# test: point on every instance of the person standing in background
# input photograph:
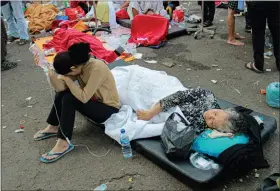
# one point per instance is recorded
(208, 12)
(233, 38)
(261, 12)
(17, 27)
(5, 64)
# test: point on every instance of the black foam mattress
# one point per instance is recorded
(152, 148)
(173, 32)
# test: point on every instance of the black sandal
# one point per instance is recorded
(251, 66)
(22, 42)
(207, 24)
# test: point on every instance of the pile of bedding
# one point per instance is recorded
(40, 17)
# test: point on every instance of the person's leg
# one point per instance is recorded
(19, 16)
(52, 119)
(258, 36)
(205, 11)
(12, 26)
(232, 6)
(4, 38)
(274, 24)
(248, 26)
(211, 13)
(95, 111)
(5, 64)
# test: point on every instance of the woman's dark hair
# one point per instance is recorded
(62, 63)
(77, 54)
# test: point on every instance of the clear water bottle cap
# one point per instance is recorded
(122, 131)
(215, 166)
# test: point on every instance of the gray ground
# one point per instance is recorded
(22, 170)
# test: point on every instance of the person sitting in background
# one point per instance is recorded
(201, 109)
(208, 12)
(5, 64)
(97, 96)
(144, 7)
(263, 11)
(105, 13)
(233, 38)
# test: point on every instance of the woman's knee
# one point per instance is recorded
(69, 98)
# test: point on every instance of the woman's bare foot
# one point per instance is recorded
(144, 115)
(235, 42)
(239, 37)
(60, 146)
(48, 129)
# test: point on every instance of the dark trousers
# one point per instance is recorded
(4, 39)
(209, 10)
(262, 12)
(67, 104)
(248, 15)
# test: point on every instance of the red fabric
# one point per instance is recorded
(64, 38)
(74, 4)
(149, 30)
(178, 16)
(63, 24)
(73, 13)
(122, 14)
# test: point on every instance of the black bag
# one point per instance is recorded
(241, 158)
(177, 137)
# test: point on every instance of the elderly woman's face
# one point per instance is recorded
(216, 119)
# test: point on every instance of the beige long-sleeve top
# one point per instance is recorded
(96, 82)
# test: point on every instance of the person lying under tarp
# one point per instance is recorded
(201, 111)
(97, 96)
(144, 7)
(63, 38)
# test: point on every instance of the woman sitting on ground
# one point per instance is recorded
(201, 109)
(96, 98)
(144, 7)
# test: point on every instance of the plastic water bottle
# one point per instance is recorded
(43, 63)
(126, 148)
(101, 187)
(202, 162)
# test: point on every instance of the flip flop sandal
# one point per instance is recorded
(44, 136)
(12, 38)
(58, 155)
(251, 66)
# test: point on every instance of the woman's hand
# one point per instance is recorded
(36, 59)
(60, 77)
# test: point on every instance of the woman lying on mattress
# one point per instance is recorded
(201, 109)
(96, 98)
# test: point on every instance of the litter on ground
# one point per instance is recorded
(29, 98)
(30, 106)
(257, 175)
(189, 69)
(268, 70)
(19, 130)
(4, 127)
(214, 81)
(138, 56)
(151, 61)
(237, 91)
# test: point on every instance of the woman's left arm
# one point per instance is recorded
(86, 93)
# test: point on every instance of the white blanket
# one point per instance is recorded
(140, 88)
